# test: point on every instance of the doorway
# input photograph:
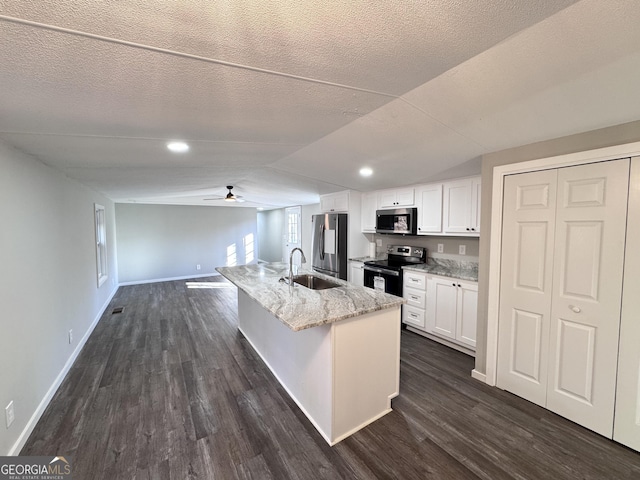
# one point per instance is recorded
(292, 232)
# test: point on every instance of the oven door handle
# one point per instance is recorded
(382, 270)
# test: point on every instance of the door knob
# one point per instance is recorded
(575, 309)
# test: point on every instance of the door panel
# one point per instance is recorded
(580, 271)
(531, 260)
(443, 313)
(467, 314)
(525, 342)
(574, 373)
(292, 232)
(585, 314)
(457, 206)
(627, 412)
(525, 290)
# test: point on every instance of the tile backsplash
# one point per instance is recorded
(451, 245)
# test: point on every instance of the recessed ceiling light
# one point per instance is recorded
(178, 147)
(366, 172)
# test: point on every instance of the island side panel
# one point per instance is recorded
(301, 361)
(366, 369)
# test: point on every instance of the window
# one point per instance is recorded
(101, 244)
(292, 227)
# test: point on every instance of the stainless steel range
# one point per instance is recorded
(386, 275)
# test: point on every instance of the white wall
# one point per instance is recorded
(47, 283)
(270, 235)
(158, 242)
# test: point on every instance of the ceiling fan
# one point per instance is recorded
(230, 197)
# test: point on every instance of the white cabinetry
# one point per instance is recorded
(397, 198)
(335, 202)
(429, 202)
(369, 207)
(461, 206)
(414, 291)
(356, 273)
(452, 309)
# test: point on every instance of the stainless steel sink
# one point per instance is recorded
(313, 282)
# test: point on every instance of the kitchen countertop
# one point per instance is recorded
(306, 308)
(448, 268)
(382, 256)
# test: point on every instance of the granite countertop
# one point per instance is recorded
(381, 256)
(305, 308)
(448, 268)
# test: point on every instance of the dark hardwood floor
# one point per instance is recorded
(169, 389)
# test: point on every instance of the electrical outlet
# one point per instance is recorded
(462, 249)
(9, 413)
(70, 336)
(198, 267)
(440, 248)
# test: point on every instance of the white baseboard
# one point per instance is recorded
(31, 424)
(169, 279)
(478, 376)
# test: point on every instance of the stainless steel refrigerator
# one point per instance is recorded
(329, 244)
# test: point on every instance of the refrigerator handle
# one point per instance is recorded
(322, 242)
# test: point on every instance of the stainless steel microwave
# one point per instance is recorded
(400, 221)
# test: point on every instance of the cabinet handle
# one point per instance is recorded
(413, 315)
(473, 229)
(459, 285)
(575, 309)
(453, 284)
(468, 229)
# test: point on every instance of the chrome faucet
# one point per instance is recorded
(302, 259)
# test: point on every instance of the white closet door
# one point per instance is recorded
(525, 289)
(626, 428)
(591, 216)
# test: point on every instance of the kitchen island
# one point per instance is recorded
(335, 351)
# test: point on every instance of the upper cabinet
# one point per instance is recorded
(450, 208)
(461, 207)
(369, 207)
(403, 197)
(429, 202)
(335, 202)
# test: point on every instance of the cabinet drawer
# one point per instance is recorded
(413, 316)
(415, 298)
(415, 280)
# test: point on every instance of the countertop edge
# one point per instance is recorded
(439, 272)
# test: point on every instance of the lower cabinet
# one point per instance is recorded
(452, 309)
(414, 291)
(356, 273)
(441, 308)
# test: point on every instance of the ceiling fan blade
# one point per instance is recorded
(229, 197)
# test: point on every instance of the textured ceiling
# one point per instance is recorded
(287, 100)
